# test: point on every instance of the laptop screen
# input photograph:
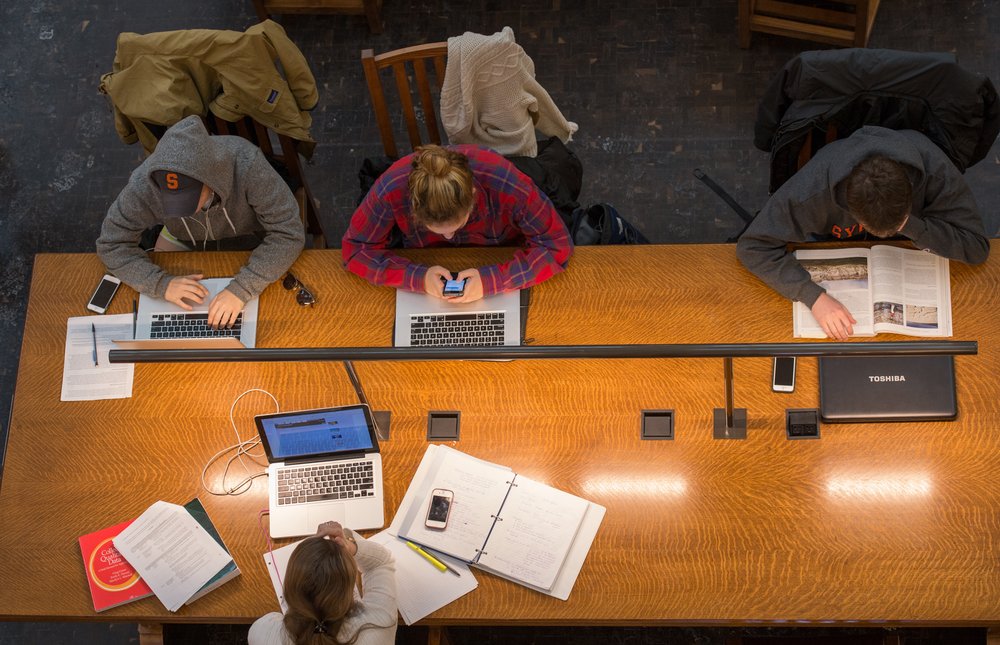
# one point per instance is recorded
(327, 432)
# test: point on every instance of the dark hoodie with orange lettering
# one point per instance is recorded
(811, 206)
(253, 201)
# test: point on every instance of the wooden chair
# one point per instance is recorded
(371, 9)
(402, 61)
(847, 23)
(285, 159)
(814, 141)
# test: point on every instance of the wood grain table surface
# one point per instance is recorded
(872, 523)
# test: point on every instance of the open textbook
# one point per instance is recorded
(500, 521)
(887, 289)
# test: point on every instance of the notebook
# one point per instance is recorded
(323, 465)
(500, 521)
(163, 325)
(887, 388)
(494, 321)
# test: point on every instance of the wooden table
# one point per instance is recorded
(893, 524)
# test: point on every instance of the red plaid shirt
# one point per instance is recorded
(508, 210)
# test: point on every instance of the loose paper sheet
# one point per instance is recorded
(82, 380)
(421, 589)
(174, 554)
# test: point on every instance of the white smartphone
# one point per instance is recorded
(103, 294)
(439, 509)
(783, 375)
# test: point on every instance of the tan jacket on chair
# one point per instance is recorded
(490, 96)
(161, 78)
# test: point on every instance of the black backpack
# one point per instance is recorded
(601, 224)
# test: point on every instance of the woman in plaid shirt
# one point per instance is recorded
(456, 196)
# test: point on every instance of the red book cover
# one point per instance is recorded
(112, 580)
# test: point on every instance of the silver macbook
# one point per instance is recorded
(324, 465)
(425, 321)
(163, 325)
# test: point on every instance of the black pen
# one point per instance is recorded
(135, 316)
(93, 333)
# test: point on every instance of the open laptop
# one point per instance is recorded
(425, 321)
(887, 388)
(324, 465)
(163, 325)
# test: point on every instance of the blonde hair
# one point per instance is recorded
(440, 185)
(319, 590)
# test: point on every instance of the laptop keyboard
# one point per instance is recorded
(300, 484)
(450, 330)
(191, 325)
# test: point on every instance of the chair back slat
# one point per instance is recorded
(378, 103)
(439, 66)
(243, 129)
(407, 63)
(406, 102)
(220, 126)
(426, 101)
(263, 140)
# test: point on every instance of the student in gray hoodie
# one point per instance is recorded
(209, 192)
(876, 183)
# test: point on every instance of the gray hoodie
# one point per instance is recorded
(254, 200)
(812, 206)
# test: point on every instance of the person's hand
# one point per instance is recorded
(473, 286)
(224, 309)
(833, 317)
(434, 280)
(184, 288)
(335, 532)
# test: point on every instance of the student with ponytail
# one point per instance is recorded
(321, 590)
(456, 196)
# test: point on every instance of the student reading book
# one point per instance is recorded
(498, 520)
(885, 288)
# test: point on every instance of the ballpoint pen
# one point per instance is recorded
(438, 564)
(135, 316)
(93, 333)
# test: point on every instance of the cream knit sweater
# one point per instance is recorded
(490, 96)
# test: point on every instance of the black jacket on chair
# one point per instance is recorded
(956, 109)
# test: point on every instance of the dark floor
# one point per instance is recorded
(658, 88)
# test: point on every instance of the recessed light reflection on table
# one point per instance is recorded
(654, 486)
(874, 487)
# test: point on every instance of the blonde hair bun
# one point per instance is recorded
(440, 185)
(435, 161)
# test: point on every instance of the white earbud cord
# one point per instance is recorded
(242, 447)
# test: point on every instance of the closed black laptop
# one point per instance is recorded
(887, 388)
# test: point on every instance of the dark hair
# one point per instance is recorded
(319, 590)
(440, 185)
(879, 195)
